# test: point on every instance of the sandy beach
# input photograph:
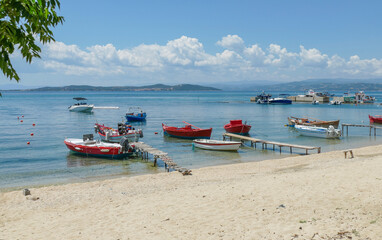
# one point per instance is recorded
(320, 196)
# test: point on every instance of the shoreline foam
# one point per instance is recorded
(319, 196)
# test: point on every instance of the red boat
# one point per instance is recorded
(237, 126)
(376, 119)
(187, 132)
(90, 147)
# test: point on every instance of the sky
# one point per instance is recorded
(135, 43)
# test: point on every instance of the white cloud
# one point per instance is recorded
(186, 56)
(232, 42)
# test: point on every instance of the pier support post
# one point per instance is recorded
(370, 131)
(375, 132)
(290, 149)
(306, 151)
(347, 131)
(280, 148)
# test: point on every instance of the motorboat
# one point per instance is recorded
(335, 102)
(279, 101)
(81, 105)
(109, 134)
(375, 119)
(263, 98)
(135, 114)
(321, 132)
(217, 145)
(292, 121)
(89, 147)
(189, 131)
(316, 102)
(237, 127)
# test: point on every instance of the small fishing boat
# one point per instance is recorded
(187, 132)
(216, 145)
(90, 147)
(135, 114)
(237, 127)
(109, 134)
(375, 119)
(309, 122)
(321, 132)
(81, 105)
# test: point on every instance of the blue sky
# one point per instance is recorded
(143, 42)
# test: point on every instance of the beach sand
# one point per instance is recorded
(320, 196)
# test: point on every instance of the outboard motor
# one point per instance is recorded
(125, 144)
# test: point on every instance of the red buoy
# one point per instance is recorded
(28, 143)
(34, 124)
(18, 118)
(156, 132)
(21, 120)
(22, 116)
(32, 134)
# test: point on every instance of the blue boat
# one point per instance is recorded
(280, 101)
(135, 114)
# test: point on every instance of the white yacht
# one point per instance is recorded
(81, 105)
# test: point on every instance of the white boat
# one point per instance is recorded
(216, 144)
(315, 102)
(335, 102)
(81, 105)
(321, 132)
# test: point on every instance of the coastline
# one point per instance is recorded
(319, 196)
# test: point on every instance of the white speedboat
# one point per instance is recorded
(81, 105)
(321, 132)
(216, 145)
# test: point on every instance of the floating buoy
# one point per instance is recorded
(34, 124)
(18, 118)
(21, 120)
(28, 143)
(32, 134)
(22, 116)
(156, 132)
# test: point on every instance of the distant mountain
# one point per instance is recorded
(323, 85)
(156, 87)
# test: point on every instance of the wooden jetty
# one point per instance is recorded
(346, 125)
(144, 150)
(264, 143)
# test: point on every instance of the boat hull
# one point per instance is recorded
(140, 117)
(280, 101)
(94, 149)
(237, 127)
(216, 145)
(319, 132)
(187, 133)
(79, 108)
(375, 119)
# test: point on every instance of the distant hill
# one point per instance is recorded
(156, 87)
(323, 85)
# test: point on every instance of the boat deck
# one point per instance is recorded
(264, 143)
(144, 150)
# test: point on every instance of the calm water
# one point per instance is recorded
(47, 160)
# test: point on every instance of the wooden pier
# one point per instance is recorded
(144, 150)
(264, 143)
(346, 125)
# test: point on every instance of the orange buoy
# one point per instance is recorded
(32, 134)
(28, 143)
(34, 124)
(21, 120)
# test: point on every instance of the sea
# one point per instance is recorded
(46, 160)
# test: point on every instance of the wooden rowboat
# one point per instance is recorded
(187, 132)
(216, 145)
(309, 122)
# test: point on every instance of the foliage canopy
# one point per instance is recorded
(22, 24)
